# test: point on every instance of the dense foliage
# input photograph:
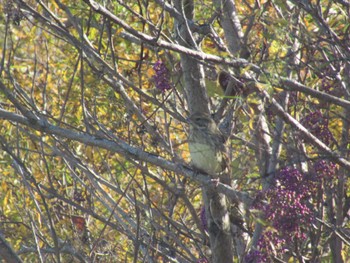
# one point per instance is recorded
(94, 100)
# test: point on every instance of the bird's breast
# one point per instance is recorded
(206, 158)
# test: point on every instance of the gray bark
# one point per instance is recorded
(226, 10)
(193, 72)
(7, 253)
(197, 100)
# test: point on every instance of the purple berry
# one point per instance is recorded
(162, 76)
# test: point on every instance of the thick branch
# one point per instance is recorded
(124, 149)
(201, 56)
(288, 84)
(227, 12)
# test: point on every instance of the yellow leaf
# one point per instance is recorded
(4, 186)
(251, 124)
(6, 198)
(150, 72)
(39, 218)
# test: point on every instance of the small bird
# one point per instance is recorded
(207, 145)
(209, 154)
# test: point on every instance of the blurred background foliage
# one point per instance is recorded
(79, 202)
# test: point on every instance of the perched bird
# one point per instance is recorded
(207, 145)
(209, 154)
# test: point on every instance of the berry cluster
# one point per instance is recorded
(287, 214)
(289, 209)
(162, 76)
(317, 124)
(256, 256)
(324, 169)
